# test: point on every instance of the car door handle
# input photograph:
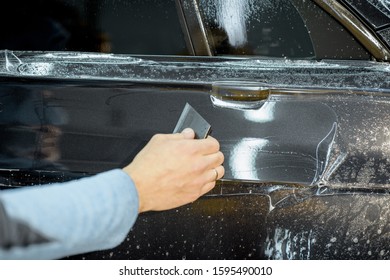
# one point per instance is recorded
(239, 94)
(253, 95)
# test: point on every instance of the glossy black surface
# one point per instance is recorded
(92, 126)
(101, 120)
(306, 143)
(255, 221)
(95, 128)
(307, 165)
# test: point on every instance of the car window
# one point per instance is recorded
(376, 13)
(268, 28)
(118, 26)
(382, 5)
(277, 28)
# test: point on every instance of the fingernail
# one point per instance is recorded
(188, 132)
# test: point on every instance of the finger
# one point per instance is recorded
(221, 171)
(204, 164)
(213, 160)
(207, 187)
(188, 133)
(215, 174)
(208, 146)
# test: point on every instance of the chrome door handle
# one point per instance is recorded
(239, 94)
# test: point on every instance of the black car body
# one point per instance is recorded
(301, 118)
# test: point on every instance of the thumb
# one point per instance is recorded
(188, 133)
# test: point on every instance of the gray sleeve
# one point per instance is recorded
(54, 221)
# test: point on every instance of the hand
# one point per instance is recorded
(175, 169)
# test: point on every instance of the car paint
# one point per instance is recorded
(325, 198)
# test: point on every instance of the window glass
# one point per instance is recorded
(376, 13)
(382, 5)
(276, 28)
(273, 28)
(268, 28)
(119, 26)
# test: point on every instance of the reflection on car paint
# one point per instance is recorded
(262, 115)
(290, 141)
(335, 139)
(293, 135)
(242, 160)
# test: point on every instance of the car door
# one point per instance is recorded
(301, 121)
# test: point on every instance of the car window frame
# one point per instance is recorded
(200, 42)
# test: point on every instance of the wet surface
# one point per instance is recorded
(255, 225)
(336, 138)
(307, 168)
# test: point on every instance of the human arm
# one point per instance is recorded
(96, 213)
(53, 221)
